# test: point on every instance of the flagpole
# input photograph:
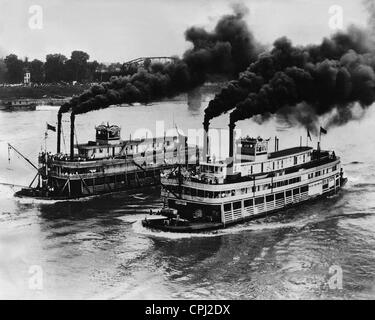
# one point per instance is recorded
(45, 147)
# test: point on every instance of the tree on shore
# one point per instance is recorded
(77, 66)
(55, 68)
(36, 68)
(3, 71)
(15, 69)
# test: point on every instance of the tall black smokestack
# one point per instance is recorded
(231, 140)
(59, 117)
(231, 149)
(206, 125)
(72, 118)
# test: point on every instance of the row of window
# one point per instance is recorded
(230, 193)
(121, 178)
(279, 164)
(322, 172)
(268, 198)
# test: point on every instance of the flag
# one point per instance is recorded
(51, 127)
(308, 134)
(322, 130)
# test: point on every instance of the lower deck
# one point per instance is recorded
(83, 186)
(238, 210)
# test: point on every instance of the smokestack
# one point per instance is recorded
(275, 143)
(231, 148)
(59, 117)
(231, 139)
(206, 125)
(72, 118)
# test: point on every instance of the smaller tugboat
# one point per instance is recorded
(253, 183)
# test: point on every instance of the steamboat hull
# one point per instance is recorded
(174, 225)
(84, 187)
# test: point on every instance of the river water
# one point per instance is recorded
(97, 248)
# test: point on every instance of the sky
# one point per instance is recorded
(121, 30)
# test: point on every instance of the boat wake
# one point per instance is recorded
(256, 225)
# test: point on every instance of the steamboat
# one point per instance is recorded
(252, 182)
(106, 165)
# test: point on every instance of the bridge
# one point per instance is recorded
(142, 61)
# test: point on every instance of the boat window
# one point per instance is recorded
(304, 189)
(269, 198)
(259, 200)
(237, 205)
(288, 193)
(248, 203)
(200, 193)
(227, 207)
(295, 191)
(279, 195)
(317, 174)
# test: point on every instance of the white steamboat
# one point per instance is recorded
(251, 183)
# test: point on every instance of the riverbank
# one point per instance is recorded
(41, 91)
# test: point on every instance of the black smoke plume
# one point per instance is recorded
(224, 52)
(302, 83)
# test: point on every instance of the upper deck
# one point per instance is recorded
(109, 153)
(253, 160)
